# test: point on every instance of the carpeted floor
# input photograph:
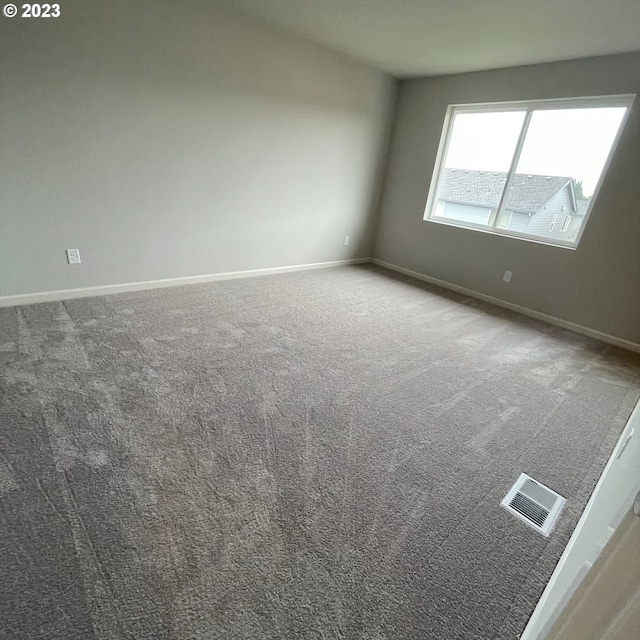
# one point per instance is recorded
(314, 455)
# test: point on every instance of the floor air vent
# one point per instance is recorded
(534, 503)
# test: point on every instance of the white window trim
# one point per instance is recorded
(566, 223)
(508, 221)
(553, 222)
(625, 100)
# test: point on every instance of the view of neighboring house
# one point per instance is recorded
(540, 205)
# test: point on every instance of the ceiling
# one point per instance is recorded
(433, 37)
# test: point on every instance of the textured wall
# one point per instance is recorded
(163, 141)
(597, 285)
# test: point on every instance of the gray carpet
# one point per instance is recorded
(314, 455)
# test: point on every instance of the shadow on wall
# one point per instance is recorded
(163, 44)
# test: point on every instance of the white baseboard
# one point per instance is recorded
(565, 324)
(67, 294)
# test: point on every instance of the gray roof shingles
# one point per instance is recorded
(529, 193)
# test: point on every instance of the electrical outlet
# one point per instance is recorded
(507, 276)
(73, 256)
(346, 240)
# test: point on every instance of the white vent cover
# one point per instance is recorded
(533, 503)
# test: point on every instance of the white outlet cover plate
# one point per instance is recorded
(73, 256)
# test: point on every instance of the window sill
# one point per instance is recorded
(506, 234)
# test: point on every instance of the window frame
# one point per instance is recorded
(529, 106)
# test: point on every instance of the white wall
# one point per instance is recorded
(612, 498)
(597, 285)
(166, 141)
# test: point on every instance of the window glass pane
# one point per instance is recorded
(474, 171)
(561, 162)
(559, 166)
